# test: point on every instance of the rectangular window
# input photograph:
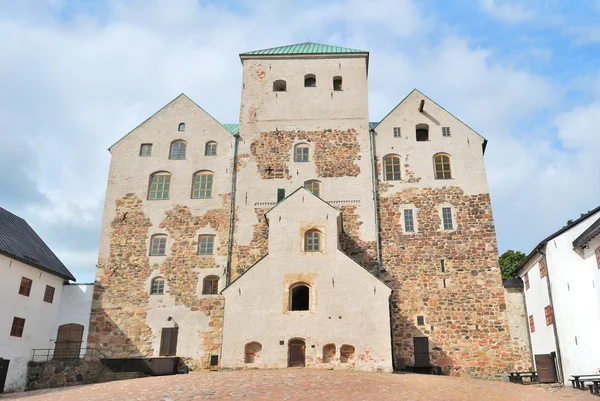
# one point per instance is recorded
(146, 149)
(548, 313)
(397, 132)
(531, 324)
(447, 218)
(542, 268)
(206, 245)
(202, 186)
(301, 154)
(420, 321)
(159, 187)
(17, 327)
(409, 223)
(445, 131)
(49, 294)
(598, 256)
(526, 279)
(158, 246)
(25, 287)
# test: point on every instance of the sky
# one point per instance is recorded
(75, 76)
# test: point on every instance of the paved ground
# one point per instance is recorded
(304, 384)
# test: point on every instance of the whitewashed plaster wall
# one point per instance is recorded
(75, 306)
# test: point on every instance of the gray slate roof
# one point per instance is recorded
(587, 235)
(19, 241)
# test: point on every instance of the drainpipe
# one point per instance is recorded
(375, 201)
(231, 212)
(557, 342)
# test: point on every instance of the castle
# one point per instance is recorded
(305, 235)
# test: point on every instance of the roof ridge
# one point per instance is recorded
(303, 48)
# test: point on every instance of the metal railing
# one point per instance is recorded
(47, 354)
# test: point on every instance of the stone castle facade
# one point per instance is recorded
(304, 235)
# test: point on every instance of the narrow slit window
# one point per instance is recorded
(409, 222)
(442, 167)
(158, 245)
(203, 184)
(206, 245)
(312, 241)
(146, 150)
(160, 184)
(391, 166)
(447, 218)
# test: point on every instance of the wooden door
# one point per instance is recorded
(296, 354)
(546, 368)
(68, 341)
(421, 348)
(3, 372)
(168, 341)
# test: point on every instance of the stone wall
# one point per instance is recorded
(57, 373)
(463, 307)
(519, 334)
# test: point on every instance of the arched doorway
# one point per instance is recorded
(296, 354)
(68, 341)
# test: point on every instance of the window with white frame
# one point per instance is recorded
(409, 221)
(206, 245)
(445, 131)
(397, 132)
(447, 218)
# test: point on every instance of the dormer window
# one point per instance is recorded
(337, 83)
(181, 127)
(279, 86)
(310, 81)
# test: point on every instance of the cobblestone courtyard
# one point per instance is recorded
(303, 384)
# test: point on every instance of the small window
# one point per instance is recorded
(301, 153)
(299, 297)
(391, 167)
(531, 324)
(409, 222)
(310, 81)
(25, 287)
(146, 149)
(548, 313)
(181, 127)
(210, 285)
(397, 132)
(280, 194)
(313, 186)
(49, 294)
(420, 321)
(17, 327)
(312, 241)
(202, 186)
(337, 83)
(279, 86)
(158, 245)
(422, 131)
(347, 353)
(206, 244)
(210, 149)
(442, 167)
(158, 286)
(526, 280)
(177, 150)
(542, 266)
(445, 131)
(159, 186)
(447, 218)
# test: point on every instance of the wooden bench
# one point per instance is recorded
(594, 386)
(517, 377)
(578, 381)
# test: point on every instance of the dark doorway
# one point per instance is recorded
(421, 347)
(3, 372)
(300, 298)
(546, 368)
(296, 354)
(168, 341)
(68, 341)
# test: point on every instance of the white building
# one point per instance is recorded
(40, 309)
(562, 294)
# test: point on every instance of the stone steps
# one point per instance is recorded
(114, 376)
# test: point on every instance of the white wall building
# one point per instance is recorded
(562, 293)
(37, 300)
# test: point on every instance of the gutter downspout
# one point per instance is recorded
(557, 342)
(231, 213)
(375, 201)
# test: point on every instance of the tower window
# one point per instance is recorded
(447, 218)
(310, 81)
(299, 297)
(177, 150)
(158, 244)
(202, 187)
(210, 285)
(422, 131)
(397, 132)
(312, 241)
(146, 149)
(337, 83)
(409, 222)
(210, 149)
(181, 127)
(391, 168)
(160, 184)
(445, 131)
(158, 286)
(206, 244)
(442, 166)
(301, 153)
(279, 86)
(420, 321)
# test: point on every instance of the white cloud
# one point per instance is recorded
(507, 11)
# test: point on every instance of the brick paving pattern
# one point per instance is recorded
(303, 384)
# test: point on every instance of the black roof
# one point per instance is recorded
(588, 234)
(556, 234)
(19, 241)
(513, 283)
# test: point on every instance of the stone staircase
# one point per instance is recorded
(109, 376)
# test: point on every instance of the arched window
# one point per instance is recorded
(312, 241)
(210, 149)
(252, 351)
(279, 86)
(158, 245)
(206, 245)
(158, 286)
(442, 166)
(160, 183)
(181, 127)
(337, 83)
(313, 186)
(391, 168)
(328, 353)
(299, 297)
(347, 353)
(310, 81)
(177, 150)
(202, 185)
(210, 285)
(301, 152)
(422, 131)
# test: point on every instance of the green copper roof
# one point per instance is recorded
(233, 128)
(305, 48)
